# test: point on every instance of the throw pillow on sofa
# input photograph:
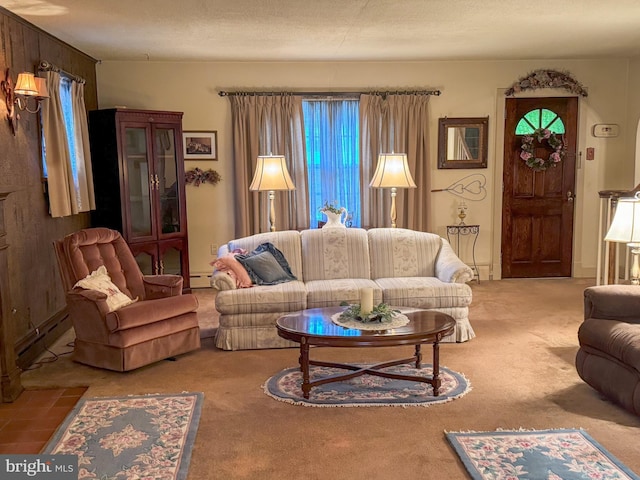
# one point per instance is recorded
(101, 281)
(266, 265)
(230, 265)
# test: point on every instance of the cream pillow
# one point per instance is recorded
(101, 281)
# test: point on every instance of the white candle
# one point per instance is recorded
(366, 300)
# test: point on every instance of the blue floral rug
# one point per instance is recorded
(537, 455)
(366, 390)
(148, 436)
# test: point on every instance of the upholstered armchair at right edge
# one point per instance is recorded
(122, 319)
(609, 354)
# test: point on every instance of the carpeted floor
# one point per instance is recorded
(521, 366)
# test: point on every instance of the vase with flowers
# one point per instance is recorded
(334, 215)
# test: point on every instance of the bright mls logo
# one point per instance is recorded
(49, 467)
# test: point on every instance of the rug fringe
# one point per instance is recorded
(519, 429)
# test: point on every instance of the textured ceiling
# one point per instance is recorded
(339, 30)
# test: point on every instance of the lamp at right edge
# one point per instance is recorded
(625, 228)
(392, 172)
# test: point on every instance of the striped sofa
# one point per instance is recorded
(405, 268)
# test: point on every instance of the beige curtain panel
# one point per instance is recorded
(263, 125)
(70, 189)
(396, 123)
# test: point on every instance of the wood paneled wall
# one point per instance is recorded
(36, 302)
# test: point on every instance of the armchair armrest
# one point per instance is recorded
(160, 286)
(449, 268)
(613, 302)
(222, 281)
(89, 297)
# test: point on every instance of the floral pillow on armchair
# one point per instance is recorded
(101, 281)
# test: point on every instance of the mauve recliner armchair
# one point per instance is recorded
(162, 323)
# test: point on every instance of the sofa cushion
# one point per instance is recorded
(330, 293)
(334, 253)
(424, 292)
(284, 297)
(288, 242)
(398, 252)
(620, 340)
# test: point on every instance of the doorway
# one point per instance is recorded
(538, 206)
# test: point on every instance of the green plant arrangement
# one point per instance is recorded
(380, 313)
(332, 207)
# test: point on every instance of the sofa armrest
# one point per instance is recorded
(449, 268)
(613, 302)
(160, 286)
(222, 281)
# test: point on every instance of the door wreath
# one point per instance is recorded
(541, 135)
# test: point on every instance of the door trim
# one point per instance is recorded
(495, 267)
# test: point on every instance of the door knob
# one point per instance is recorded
(570, 196)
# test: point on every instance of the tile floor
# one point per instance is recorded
(27, 424)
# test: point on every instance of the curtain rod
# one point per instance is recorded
(47, 66)
(224, 93)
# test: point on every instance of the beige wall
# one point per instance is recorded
(469, 89)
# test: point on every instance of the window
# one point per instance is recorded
(540, 118)
(332, 136)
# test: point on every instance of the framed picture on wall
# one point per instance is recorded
(202, 145)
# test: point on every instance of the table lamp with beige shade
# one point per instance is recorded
(271, 174)
(392, 172)
(625, 228)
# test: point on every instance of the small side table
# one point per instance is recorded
(462, 230)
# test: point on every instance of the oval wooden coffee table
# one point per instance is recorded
(314, 327)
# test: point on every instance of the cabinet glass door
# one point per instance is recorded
(171, 261)
(137, 164)
(167, 180)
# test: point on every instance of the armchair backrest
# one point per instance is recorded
(82, 252)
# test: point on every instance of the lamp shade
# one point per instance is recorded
(392, 171)
(26, 84)
(41, 85)
(271, 174)
(625, 227)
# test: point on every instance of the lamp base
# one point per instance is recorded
(635, 266)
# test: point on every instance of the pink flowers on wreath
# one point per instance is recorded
(528, 147)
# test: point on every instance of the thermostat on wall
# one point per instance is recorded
(606, 130)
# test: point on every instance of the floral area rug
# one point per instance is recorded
(366, 390)
(134, 437)
(543, 455)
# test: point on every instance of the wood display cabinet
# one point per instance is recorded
(138, 174)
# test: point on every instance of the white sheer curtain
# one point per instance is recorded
(264, 124)
(395, 123)
(332, 132)
(66, 148)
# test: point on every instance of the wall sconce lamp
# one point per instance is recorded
(392, 172)
(625, 228)
(27, 86)
(271, 174)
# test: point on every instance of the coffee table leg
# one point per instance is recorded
(418, 357)
(436, 369)
(304, 366)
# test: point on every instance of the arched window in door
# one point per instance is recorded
(540, 118)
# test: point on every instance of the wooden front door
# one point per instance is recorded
(537, 206)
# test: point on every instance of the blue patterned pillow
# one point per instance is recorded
(266, 265)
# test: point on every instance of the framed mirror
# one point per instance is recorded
(462, 142)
